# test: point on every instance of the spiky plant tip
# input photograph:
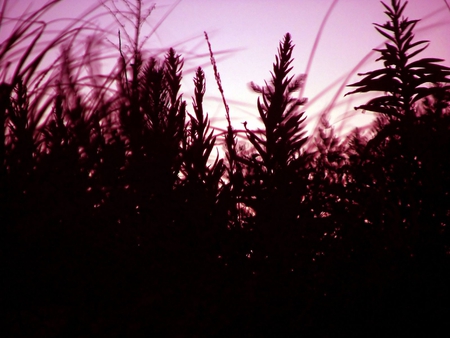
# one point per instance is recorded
(282, 137)
(403, 80)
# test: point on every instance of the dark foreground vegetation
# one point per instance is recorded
(119, 219)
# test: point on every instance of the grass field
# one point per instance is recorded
(121, 216)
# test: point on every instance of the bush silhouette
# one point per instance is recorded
(118, 217)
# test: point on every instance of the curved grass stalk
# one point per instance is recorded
(316, 44)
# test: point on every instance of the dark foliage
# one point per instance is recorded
(119, 219)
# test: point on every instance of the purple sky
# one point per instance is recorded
(249, 32)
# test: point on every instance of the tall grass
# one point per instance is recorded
(119, 216)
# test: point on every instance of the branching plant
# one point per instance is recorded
(403, 80)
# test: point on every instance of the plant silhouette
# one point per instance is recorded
(120, 218)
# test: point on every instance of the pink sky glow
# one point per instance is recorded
(245, 36)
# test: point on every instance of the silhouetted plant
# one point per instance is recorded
(152, 123)
(403, 80)
(275, 167)
(279, 145)
(278, 157)
(115, 206)
(200, 174)
(392, 181)
(230, 193)
(20, 139)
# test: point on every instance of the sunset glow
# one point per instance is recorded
(244, 37)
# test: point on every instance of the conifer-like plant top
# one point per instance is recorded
(403, 80)
(280, 143)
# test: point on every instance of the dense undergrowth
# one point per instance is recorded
(120, 218)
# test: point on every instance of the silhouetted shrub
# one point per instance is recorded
(118, 217)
